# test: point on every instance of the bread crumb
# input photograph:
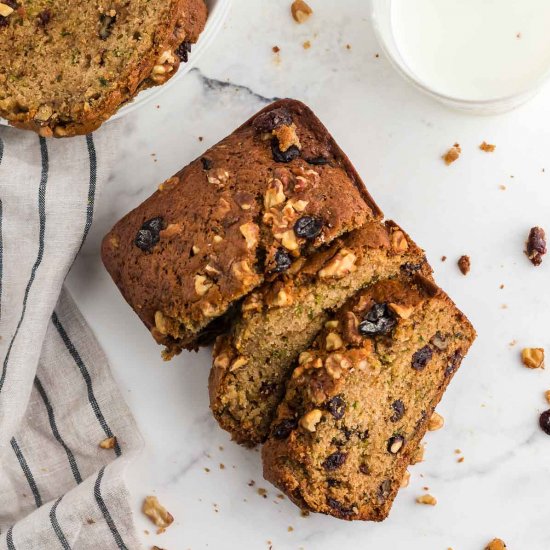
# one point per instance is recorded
(348, 46)
(512, 343)
(496, 544)
(276, 49)
(461, 459)
(262, 492)
(452, 154)
(501, 286)
(464, 264)
(487, 147)
(458, 451)
(109, 443)
(547, 395)
(157, 513)
(443, 258)
(301, 11)
(436, 422)
(502, 187)
(290, 529)
(533, 358)
(251, 483)
(427, 499)
(222, 466)
(376, 55)
(306, 45)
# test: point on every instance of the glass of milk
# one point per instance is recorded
(482, 56)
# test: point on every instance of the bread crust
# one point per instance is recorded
(184, 22)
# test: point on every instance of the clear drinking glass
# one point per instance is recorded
(381, 17)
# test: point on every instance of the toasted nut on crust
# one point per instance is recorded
(341, 265)
(436, 422)
(238, 363)
(333, 341)
(5, 10)
(202, 284)
(402, 311)
(533, 358)
(310, 420)
(399, 241)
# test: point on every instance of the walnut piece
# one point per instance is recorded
(251, 232)
(399, 241)
(244, 273)
(487, 147)
(108, 443)
(402, 311)
(287, 137)
(301, 12)
(547, 395)
(452, 154)
(533, 358)
(157, 513)
(436, 422)
(310, 420)
(274, 194)
(5, 10)
(222, 361)
(333, 341)
(496, 544)
(238, 363)
(427, 499)
(202, 284)
(341, 265)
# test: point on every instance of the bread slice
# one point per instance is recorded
(253, 362)
(359, 401)
(274, 191)
(67, 66)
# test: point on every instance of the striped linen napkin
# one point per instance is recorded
(58, 400)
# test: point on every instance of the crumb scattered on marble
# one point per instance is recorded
(496, 544)
(427, 499)
(377, 55)
(301, 11)
(501, 286)
(504, 306)
(276, 49)
(251, 483)
(304, 513)
(461, 459)
(306, 45)
(436, 422)
(89, 521)
(502, 187)
(406, 479)
(535, 246)
(207, 470)
(348, 46)
(262, 492)
(487, 147)
(157, 513)
(512, 343)
(290, 529)
(281, 496)
(200, 138)
(464, 264)
(452, 154)
(220, 447)
(547, 395)
(222, 466)
(443, 258)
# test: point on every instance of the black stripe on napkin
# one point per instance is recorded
(38, 261)
(27, 472)
(87, 379)
(56, 527)
(55, 431)
(105, 511)
(1, 241)
(9, 539)
(92, 186)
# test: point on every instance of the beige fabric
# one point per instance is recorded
(58, 400)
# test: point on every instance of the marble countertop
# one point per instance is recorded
(395, 136)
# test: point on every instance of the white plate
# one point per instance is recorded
(217, 12)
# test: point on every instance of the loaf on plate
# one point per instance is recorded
(274, 191)
(67, 66)
(358, 403)
(278, 321)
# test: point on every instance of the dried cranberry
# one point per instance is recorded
(336, 406)
(399, 410)
(3, 21)
(149, 234)
(11, 3)
(183, 51)
(421, 358)
(364, 469)
(380, 319)
(317, 161)
(206, 163)
(308, 227)
(395, 444)
(409, 268)
(106, 23)
(536, 245)
(283, 156)
(544, 422)
(363, 435)
(283, 429)
(454, 363)
(331, 482)
(384, 490)
(267, 122)
(43, 18)
(267, 388)
(340, 508)
(334, 461)
(282, 261)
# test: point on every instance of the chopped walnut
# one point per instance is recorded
(154, 510)
(281, 297)
(487, 147)
(436, 422)
(402, 311)
(244, 273)
(406, 479)
(496, 544)
(170, 182)
(333, 341)
(108, 443)
(341, 265)
(252, 302)
(310, 420)
(301, 11)
(399, 241)
(162, 323)
(297, 205)
(274, 194)
(427, 499)
(334, 365)
(332, 324)
(251, 232)
(238, 363)
(202, 284)
(452, 154)
(217, 239)
(464, 264)
(536, 245)
(170, 230)
(288, 240)
(222, 361)
(287, 137)
(218, 176)
(533, 358)
(304, 357)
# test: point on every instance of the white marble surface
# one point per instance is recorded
(395, 136)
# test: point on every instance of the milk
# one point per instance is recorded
(474, 49)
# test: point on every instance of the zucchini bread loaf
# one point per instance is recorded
(278, 321)
(67, 66)
(274, 191)
(359, 401)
